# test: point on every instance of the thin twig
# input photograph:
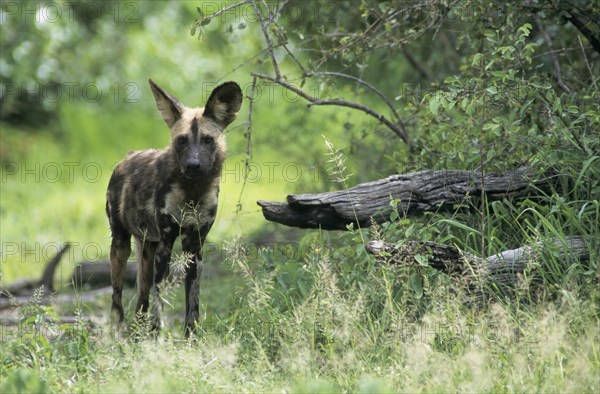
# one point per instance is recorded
(579, 143)
(413, 62)
(399, 131)
(294, 58)
(277, 11)
(548, 39)
(224, 10)
(360, 81)
(248, 136)
(267, 38)
(240, 66)
(587, 63)
(271, 14)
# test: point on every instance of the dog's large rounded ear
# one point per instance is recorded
(224, 103)
(168, 106)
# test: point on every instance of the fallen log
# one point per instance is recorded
(47, 299)
(93, 274)
(26, 287)
(499, 273)
(417, 192)
(61, 320)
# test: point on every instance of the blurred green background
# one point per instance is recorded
(476, 89)
(75, 100)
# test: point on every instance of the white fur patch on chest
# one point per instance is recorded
(188, 213)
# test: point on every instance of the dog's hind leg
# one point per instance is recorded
(120, 249)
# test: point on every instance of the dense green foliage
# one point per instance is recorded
(477, 85)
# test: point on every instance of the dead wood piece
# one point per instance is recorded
(86, 296)
(93, 274)
(500, 271)
(66, 320)
(27, 286)
(417, 192)
(445, 258)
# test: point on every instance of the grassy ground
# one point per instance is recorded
(335, 338)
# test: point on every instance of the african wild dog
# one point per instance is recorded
(158, 195)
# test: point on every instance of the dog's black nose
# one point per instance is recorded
(193, 165)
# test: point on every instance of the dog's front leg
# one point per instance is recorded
(192, 244)
(161, 270)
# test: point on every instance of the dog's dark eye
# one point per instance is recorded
(182, 140)
(207, 139)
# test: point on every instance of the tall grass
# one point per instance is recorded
(343, 334)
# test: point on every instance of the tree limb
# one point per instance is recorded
(587, 33)
(267, 39)
(555, 61)
(364, 83)
(497, 273)
(416, 192)
(339, 102)
(27, 286)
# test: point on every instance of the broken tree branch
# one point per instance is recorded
(94, 274)
(499, 273)
(86, 296)
(27, 286)
(417, 192)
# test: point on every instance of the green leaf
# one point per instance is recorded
(557, 107)
(464, 103)
(524, 30)
(416, 284)
(434, 104)
(422, 260)
(491, 126)
(449, 104)
(460, 225)
(388, 26)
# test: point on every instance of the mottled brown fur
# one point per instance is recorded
(157, 195)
